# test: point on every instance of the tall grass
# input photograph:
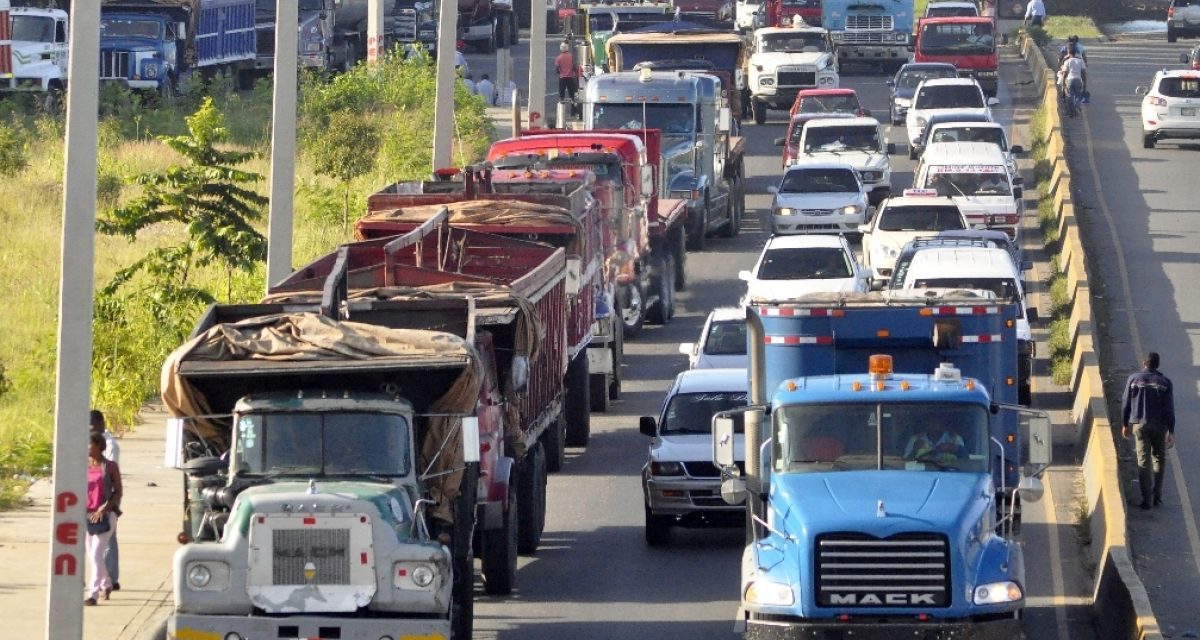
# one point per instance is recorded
(129, 354)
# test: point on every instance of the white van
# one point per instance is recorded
(986, 268)
(976, 176)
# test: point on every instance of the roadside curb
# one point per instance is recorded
(1120, 603)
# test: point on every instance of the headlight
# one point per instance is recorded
(997, 592)
(921, 120)
(666, 469)
(904, 102)
(198, 576)
(151, 71)
(872, 176)
(885, 250)
(423, 576)
(785, 211)
(766, 82)
(765, 592)
(851, 210)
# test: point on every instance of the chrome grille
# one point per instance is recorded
(326, 549)
(868, 22)
(816, 212)
(797, 78)
(864, 37)
(905, 570)
(405, 25)
(114, 65)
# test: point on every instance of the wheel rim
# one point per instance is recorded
(632, 311)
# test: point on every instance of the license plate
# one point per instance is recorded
(1187, 111)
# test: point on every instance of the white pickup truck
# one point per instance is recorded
(785, 60)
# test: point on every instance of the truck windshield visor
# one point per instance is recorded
(691, 413)
(32, 29)
(821, 139)
(972, 38)
(121, 28)
(322, 444)
(670, 118)
(854, 437)
(794, 43)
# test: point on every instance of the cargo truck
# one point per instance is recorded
(487, 25)
(35, 58)
(157, 45)
(967, 43)
(877, 471)
(874, 32)
(703, 161)
(599, 22)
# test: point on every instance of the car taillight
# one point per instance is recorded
(1157, 101)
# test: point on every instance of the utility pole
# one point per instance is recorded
(64, 600)
(376, 44)
(536, 115)
(282, 208)
(443, 114)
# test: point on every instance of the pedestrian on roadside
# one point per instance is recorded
(1074, 80)
(1035, 13)
(487, 89)
(564, 67)
(103, 501)
(112, 452)
(469, 82)
(1148, 414)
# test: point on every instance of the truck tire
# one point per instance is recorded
(632, 310)
(759, 110)
(696, 235)
(578, 405)
(489, 45)
(554, 444)
(501, 34)
(658, 529)
(730, 230)
(663, 284)
(531, 498)
(462, 598)
(499, 557)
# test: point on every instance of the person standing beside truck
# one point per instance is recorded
(564, 67)
(1148, 414)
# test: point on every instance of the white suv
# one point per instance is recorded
(1171, 106)
(942, 94)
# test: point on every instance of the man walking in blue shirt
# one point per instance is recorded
(1148, 413)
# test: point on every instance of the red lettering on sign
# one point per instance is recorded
(64, 501)
(67, 533)
(65, 564)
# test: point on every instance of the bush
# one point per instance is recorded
(14, 151)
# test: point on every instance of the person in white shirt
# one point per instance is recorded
(469, 82)
(112, 451)
(1035, 13)
(1074, 79)
(487, 89)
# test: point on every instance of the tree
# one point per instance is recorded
(345, 149)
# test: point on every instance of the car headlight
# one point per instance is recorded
(785, 211)
(885, 250)
(921, 120)
(851, 210)
(997, 592)
(666, 469)
(198, 576)
(904, 102)
(768, 593)
(766, 82)
(872, 176)
(423, 576)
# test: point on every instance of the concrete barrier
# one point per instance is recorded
(1119, 600)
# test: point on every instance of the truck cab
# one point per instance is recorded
(875, 32)
(599, 22)
(142, 51)
(785, 61)
(969, 43)
(38, 57)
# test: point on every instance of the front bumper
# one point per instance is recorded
(988, 80)
(137, 85)
(1172, 128)
(684, 496)
(999, 627)
(869, 52)
(183, 626)
(816, 224)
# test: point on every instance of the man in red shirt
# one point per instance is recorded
(564, 65)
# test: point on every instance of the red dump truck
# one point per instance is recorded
(644, 241)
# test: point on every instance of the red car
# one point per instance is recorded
(819, 101)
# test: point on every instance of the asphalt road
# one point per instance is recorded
(594, 576)
(1138, 209)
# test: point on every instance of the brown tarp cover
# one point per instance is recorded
(489, 212)
(312, 337)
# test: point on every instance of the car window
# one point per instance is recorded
(1181, 3)
(1180, 87)
(841, 139)
(950, 12)
(726, 339)
(991, 135)
(829, 104)
(804, 263)
(969, 183)
(693, 412)
(910, 78)
(931, 218)
(819, 181)
(949, 97)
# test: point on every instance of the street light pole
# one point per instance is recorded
(281, 211)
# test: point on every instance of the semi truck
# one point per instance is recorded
(157, 45)
(35, 58)
(876, 469)
(550, 209)
(703, 161)
(875, 32)
(967, 43)
(597, 22)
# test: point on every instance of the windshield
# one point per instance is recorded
(726, 339)
(910, 78)
(805, 263)
(957, 39)
(304, 5)
(841, 139)
(693, 412)
(1169, 87)
(115, 28)
(958, 96)
(994, 135)
(1004, 288)
(322, 444)
(951, 12)
(679, 163)
(793, 43)
(994, 183)
(819, 181)
(853, 437)
(842, 103)
(928, 218)
(670, 118)
(32, 29)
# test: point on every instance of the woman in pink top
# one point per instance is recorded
(103, 499)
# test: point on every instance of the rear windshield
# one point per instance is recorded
(992, 183)
(1180, 87)
(726, 339)
(807, 263)
(931, 218)
(819, 181)
(960, 96)
(970, 134)
(910, 78)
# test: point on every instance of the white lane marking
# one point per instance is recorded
(1056, 574)
(1189, 518)
(1058, 602)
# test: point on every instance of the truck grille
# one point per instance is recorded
(265, 41)
(405, 25)
(114, 65)
(856, 22)
(863, 37)
(797, 78)
(326, 549)
(905, 570)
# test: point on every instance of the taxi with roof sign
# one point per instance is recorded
(1171, 107)
(900, 219)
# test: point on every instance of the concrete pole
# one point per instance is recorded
(443, 115)
(376, 44)
(67, 567)
(536, 115)
(503, 68)
(283, 143)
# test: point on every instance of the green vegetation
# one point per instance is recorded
(154, 152)
(1058, 28)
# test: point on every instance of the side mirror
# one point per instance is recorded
(687, 348)
(1019, 180)
(864, 113)
(864, 228)
(745, 276)
(1026, 265)
(1040, 445)
(723, 453)
(1016, 149)
(773, 190)
(891, 148)
(1031, 489)
(648, 426)
(993, 101)
(1183, 57)
(520, 373)
(1141, 91)
(173, 451)
(878, 285)
(181, 31)
(779, 142)
(470, 439)
(1031, 314)
(891, 82)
